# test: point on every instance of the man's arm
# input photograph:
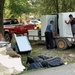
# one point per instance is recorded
(68, 21)
(52, 28)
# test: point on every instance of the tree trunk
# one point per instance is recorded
(1, 16)
(56, 5)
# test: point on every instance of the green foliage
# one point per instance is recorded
(14, 8)
(56, 6)
(18, 7)
(6, 9)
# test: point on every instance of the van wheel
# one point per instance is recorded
(7, 37)
(61, 44)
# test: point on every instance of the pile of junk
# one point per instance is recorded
(10, 61)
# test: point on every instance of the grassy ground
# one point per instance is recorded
(67, 56)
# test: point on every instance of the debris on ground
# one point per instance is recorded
(43, 62)
(10, 61)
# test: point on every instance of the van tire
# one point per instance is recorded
(61, 44)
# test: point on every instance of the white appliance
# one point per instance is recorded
(45, 20)
(21, 43)
(65, 29)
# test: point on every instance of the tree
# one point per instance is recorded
(18, 7)
(14, 8)
(56, 6)
(1, 15)
(6, 12)
(48, 6)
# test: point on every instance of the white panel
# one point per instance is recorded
(30, 38)
(43, 24)
(43, 38)
(65, 29)
(23, 43)
(35, 38)
(33, 32)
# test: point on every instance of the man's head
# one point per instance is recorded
(71, 16)
(51, 21)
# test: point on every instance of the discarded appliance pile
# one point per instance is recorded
(43, 62)
(10, 61)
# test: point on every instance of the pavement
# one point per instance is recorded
(61, 70)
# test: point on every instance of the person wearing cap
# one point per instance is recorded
(72, 22)
(49, 35)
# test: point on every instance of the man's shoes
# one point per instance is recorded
(53, 49)
(47, 48)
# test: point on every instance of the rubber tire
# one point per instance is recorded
(61, 44)
(7, 37)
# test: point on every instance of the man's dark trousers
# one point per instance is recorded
(49, 40)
